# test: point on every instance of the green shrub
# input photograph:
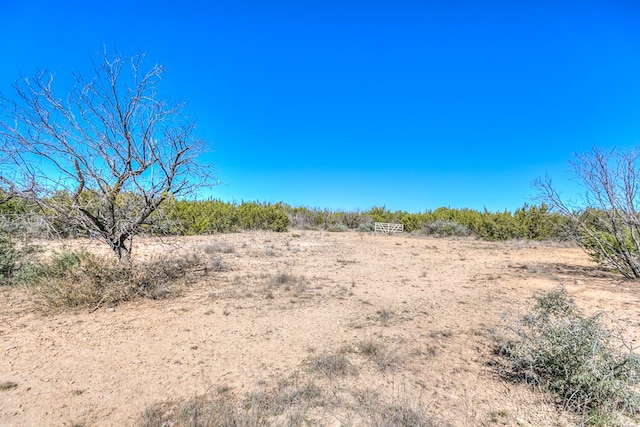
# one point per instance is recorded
(574, 356)
(444, 228)
(16, 261)
(338, 228)
(193, 217)
(366, 227)
(258, 216)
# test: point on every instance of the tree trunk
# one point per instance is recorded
(122, 250)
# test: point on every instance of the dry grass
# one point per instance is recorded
(385, 356)
(332, 364)
(86, 280)
(7, 385)
(219, 247)
(284, 404)
(402, 408)
(295, 402)
(386, 314)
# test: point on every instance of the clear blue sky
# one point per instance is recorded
(350, 104)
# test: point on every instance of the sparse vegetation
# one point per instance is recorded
(385, 356)
(293, 402)
(420, 330)
(7, 385)
(560, 349)
(386, 313)
(332, 364)
(219, 247)
(287, 281)
(81, 279)
(401, 409)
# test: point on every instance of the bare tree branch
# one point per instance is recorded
(606, 222)
(104, 157)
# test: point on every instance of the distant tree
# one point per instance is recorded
(103, 157)
(606, 221)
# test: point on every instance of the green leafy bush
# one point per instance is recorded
(574, 356)
(192, 217)
(442, 228)
(259, 216)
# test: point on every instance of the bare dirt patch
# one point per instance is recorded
(388, 317)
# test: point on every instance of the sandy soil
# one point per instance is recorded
(443, 298)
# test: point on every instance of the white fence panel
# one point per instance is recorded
(388, 227)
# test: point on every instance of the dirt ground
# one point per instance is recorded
(434, 302)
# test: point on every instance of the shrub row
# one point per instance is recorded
(193, 217)
(215, 216)
(528, 222)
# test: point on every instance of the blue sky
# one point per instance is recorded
(352, 104)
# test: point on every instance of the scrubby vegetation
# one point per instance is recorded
(300, 400)
(193, 217)
(82, 279)
(528, 222)
(560, 349)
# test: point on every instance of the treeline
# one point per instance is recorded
(193, 217)
(528, 222)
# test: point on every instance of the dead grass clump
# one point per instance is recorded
(202, 411)
(286, 396)
(332, 364)
(341, 292)
(237, 289)
(399, 410)
(385, 356)
(82, 280)
(288, 282)
(219, 247)
(386, 313)
(216, 264)
(282, 279)
(284, 404)
(7, 385)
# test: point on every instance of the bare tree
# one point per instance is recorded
(606, 220)
(104, 157)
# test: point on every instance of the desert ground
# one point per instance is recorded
(431, 306)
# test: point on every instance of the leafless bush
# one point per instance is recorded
(606, 222)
